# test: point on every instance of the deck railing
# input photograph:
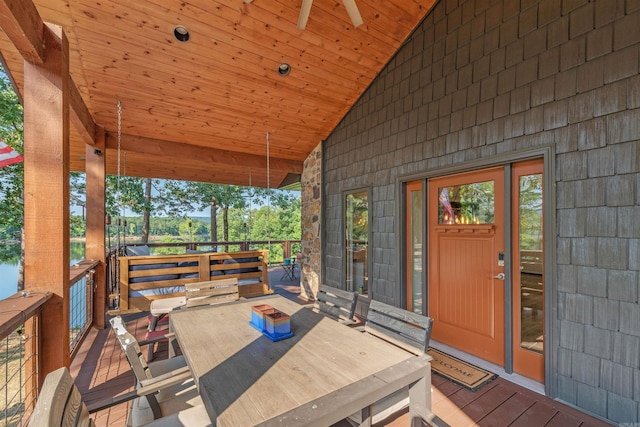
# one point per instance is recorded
(19, 339)
(81, 291)
(278, 249)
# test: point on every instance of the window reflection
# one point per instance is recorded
(357, 242)
(466, 204)
(531, 265)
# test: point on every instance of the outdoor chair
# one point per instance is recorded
(60, 404)
(403, 328)
(211, 292)
(196, 294)
(407, 330)
(336, 303)
(160, 309)
(179, 396)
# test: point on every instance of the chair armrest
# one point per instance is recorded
(181, 374)
(153, 340)
(148, 387)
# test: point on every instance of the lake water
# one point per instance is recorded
(9, 258)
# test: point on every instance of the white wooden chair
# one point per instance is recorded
(180, 396)
(336, 303)
(60, 404)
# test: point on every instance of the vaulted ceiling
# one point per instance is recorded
(202, 109)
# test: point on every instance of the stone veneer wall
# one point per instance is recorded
(480, 78)
(311, 238)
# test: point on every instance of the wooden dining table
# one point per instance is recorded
(246, 379)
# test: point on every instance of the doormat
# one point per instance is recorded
(462, 373)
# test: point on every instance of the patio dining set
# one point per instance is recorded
(231, 364)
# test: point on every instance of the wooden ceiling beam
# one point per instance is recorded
(21, 22)
(172, 150)
(80, 115)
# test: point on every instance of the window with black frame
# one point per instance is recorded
(357, 241)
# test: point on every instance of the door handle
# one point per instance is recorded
(500, 276)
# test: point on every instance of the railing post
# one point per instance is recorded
(286, 249)
(95, 249)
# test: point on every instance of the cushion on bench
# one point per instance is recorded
(240, 261)
(137, 250)
(157, 291)
(196, 274)
(160, 277)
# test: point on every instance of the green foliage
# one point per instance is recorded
(77, 226)
(276, 223)
(125, 194)
(531, 212)
(10, 254)
(11, 177)
(357, 216)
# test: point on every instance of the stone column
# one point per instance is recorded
(311, 210)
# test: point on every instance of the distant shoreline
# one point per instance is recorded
(130, 239)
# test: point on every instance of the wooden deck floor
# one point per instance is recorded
(102, 371)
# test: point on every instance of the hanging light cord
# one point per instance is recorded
(118, 180)
(268, 198)
(250, 206)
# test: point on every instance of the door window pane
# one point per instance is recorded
(466, 204)
(357, 242)
(531, 266)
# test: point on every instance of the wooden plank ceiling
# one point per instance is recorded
(201, 110)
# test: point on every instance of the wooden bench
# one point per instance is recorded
(147, 278)
(337, 303)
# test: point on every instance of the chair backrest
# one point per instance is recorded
(336, 302)
(403, 328)
(211, 292)
(59, 403)
(131, 349)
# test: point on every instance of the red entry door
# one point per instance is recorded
(466, 262)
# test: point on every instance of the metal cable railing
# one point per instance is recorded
(81, 292)
(19, 338)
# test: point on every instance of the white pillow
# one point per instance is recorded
(138, 250)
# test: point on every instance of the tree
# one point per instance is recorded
(182, 197)
(147, 210)
(127, 195)
(12, 177)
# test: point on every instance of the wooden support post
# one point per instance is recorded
(286, 249)
(46, 193)
(96, 174)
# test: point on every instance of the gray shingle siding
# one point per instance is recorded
(555, 73)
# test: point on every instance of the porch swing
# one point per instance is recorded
(142, 278)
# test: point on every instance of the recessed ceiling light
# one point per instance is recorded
(284, 69)
(181, 33)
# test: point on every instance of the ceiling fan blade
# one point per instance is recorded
(248, 1)
(354, 13)
(305, 8)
